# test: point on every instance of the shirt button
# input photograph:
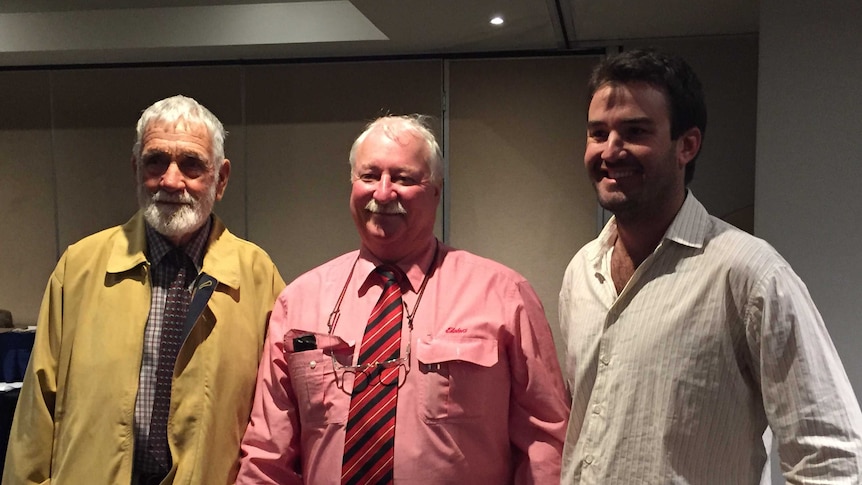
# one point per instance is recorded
(597, 409)
(588, 459)
(312, 364)
(605, 359)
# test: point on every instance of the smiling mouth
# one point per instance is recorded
(617, 174)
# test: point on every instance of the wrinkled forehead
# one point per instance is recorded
(177, 124)
(183, 131)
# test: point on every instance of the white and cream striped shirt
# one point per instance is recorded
(675, 379)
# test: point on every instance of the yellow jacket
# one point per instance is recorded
(75, 416)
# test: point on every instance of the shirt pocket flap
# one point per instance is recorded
(477, 351)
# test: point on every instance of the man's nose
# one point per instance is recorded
(172, 179)
(384, 192)
(615, 148)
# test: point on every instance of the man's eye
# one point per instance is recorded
(598, 135)
(192, 168)
(156, 164)
(403, 180)
(368, 177)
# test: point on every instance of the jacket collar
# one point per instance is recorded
(127, 250)
(221, 260)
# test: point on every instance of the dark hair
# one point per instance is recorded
(668, 73)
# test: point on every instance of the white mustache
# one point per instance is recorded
(394, 207)
(177, 198)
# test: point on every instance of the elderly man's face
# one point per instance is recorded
(177, 181)
(392, 201)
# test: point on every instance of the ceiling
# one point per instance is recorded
(69, 32)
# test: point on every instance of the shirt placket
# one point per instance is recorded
(596, 420)
(595, 423)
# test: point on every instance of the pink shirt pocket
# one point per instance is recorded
(460, 377)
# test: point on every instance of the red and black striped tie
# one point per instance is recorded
(370, 439)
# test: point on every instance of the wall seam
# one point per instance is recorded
(445, 141)
(54, 184)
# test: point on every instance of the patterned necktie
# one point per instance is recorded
(176, 309)
(370, 438)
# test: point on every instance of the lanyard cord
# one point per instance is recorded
(336, 312)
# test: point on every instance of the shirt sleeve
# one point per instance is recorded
(808, 399)
(270, 447)
(539, 409)
(28, 456)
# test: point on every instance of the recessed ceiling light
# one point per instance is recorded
(497, 20)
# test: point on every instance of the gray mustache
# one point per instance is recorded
(181, 198)
(390, 208)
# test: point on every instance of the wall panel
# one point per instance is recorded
(95, 111)
(302, 120)
(28, 242)
(727, 68)
(519, 191)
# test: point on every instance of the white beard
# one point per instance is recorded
(175, 221)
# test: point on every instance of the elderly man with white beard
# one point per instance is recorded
(149, 334)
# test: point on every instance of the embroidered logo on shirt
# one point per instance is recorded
(456, 330)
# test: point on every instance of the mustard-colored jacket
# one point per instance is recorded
(75, 416)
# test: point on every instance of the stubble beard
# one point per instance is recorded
(641, 202)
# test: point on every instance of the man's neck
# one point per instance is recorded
(194, 245)
(420, 256)
(640, 233)
(638, 241)
(634, 243)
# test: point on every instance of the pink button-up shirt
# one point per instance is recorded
(483, 401)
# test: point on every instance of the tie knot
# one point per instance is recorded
(390, 273)
(182, 266)
(179, 258)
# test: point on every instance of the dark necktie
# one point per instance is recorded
(370, 436)
(176, 309)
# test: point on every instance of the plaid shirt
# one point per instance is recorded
(157, 247)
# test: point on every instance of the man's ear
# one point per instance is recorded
(223, 175)
(688, 145)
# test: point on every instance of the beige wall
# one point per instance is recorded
(301, 121)
(513, 132)
(519, 193)
(727, 67)
(28, 242)
(808, 157)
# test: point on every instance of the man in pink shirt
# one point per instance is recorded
(475, 378)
